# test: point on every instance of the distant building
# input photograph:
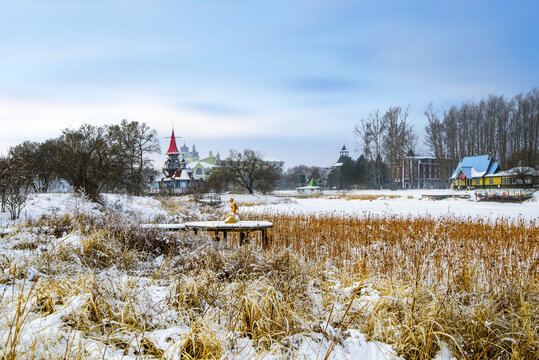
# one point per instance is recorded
(189, 155)
(60, 186)
(420, 172)
(483, 172)
(343, 155)
(521, 177)
(202, 168)
(311, 187)
(277, 164)
(475, 171)
(177, 177)
(57, 185)
(414, 172)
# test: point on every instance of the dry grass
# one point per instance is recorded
(200, 343)
(348, 196)
(50, 294)
(468, 283)
(262, 296)
(250, 203)
(16, 316)
(174, 205)
(264, 314)
(415, 284)
(365, 197)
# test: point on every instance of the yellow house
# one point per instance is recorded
(476, 171)
(517, 177)
(201, 169)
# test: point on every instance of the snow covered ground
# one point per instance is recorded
(146, 210)
(138, 209)
(401, 203)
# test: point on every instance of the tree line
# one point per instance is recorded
(116, 157)
(507, 128)
(352, 173)
(91, 159)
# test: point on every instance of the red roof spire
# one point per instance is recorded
(172, 149)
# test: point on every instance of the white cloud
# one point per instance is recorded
(37, 120)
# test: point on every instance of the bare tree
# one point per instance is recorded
(86, 160)
(46, 155)
(26, 156)
(133, 142)
(246, 170)
(364, 132)
(15, 183)
(524, 174)
(371, 132)
(38, 159)
(399, 139)
(507, 128)
(4, 168)
(435, 139)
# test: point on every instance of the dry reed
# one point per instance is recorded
(470, 284)
(415, 283)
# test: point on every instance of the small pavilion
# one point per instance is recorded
(312, 186)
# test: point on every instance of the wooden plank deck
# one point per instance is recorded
(243, 227)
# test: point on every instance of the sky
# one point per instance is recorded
(288, 78)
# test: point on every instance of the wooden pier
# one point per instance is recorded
(220, 229)
(245, 228)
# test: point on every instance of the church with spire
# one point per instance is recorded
(344, 154)
(183, 169)
(177, 178)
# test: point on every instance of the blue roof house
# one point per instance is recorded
(471, 170)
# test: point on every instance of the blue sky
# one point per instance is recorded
(287, 78)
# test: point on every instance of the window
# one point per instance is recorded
(198, 171)
(490, 181)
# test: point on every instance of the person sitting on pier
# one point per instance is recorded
(232, 217)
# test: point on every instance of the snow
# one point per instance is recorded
(135, 208)
(223, 225)
(204, 164)
(164, 226)
(477, 174)
(355, 346)
(398, 203)
(55, 336)
(403, 203)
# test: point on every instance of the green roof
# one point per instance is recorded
(209, 160)
(312, 182)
